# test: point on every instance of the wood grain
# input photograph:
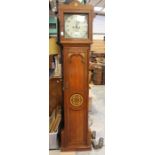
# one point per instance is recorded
(75, 134)
(55, 93)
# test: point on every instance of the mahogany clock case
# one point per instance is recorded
(75, 134)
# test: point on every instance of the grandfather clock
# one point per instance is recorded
(76, 38)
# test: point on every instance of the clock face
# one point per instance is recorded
(81, 1)
(76, 26)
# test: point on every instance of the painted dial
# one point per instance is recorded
(81, 1)
(76, 26)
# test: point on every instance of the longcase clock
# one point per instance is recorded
(76, 38)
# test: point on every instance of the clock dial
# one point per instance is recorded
(76, 26)
(81, 1)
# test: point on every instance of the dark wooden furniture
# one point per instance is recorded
(55, 93)
(99, 74)
(97, 68)
(76, 47)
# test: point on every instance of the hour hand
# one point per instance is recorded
(76, 25)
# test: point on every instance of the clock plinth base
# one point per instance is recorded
(74, 148)
(77, 147)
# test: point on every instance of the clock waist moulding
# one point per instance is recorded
(76, 38)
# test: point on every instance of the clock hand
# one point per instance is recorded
(76, 25)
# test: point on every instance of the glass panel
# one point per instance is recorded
(76, 26)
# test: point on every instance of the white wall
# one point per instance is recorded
(99, 24)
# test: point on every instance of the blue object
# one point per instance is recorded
(53, 26)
